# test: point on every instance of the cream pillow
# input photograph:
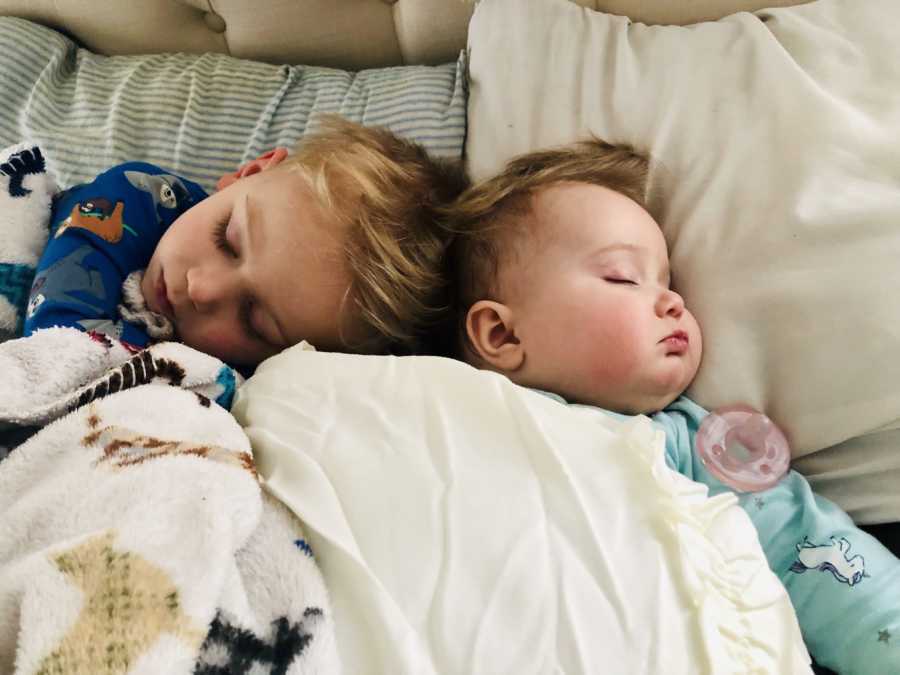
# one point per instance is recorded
(776, 136)
(465, 525)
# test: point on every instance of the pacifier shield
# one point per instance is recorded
(743, 448)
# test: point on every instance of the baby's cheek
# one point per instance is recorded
(617, 347)
(613, 369)
(611, 354)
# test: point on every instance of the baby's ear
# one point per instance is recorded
(492, 336)
(261, 163)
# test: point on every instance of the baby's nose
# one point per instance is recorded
(670, 304)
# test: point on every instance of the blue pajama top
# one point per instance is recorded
(100, 232)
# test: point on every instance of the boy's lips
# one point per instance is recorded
(162, 298)
(676, 342)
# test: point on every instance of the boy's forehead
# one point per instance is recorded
(288, 194)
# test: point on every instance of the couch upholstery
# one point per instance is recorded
(344, 34)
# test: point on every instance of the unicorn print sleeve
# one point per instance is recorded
(101, 232)
(844, 585)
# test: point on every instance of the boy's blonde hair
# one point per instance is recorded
(386, 192)
(489, 218)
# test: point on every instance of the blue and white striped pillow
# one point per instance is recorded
(201, 115)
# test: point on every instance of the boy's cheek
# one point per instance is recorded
(187, 231)
(219, 341)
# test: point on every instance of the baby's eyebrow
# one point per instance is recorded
(665, 273)
(634, 248)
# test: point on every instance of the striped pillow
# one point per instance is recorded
(201, 115)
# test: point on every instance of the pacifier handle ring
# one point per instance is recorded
(764, 448)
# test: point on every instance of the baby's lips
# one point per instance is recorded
(676, 343)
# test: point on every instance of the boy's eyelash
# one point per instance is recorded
(221, 240)
(615, 280)
(222, 243)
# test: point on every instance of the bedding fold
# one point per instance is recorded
(467, 525)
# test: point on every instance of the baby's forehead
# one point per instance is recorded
(584, 214)
(554, 219)
(524, 239)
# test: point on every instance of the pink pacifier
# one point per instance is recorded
(743, 448)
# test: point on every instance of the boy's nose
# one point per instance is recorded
(209, 289)
(670, 304)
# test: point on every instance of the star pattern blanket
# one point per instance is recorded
(134, 536)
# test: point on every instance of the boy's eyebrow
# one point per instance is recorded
(252, 226)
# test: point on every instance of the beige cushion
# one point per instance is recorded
(776, 182)
(344, 34)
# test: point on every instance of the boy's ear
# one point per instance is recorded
(490, 328)
(261, 163)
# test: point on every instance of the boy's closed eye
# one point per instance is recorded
(220, 237)
(253, 326)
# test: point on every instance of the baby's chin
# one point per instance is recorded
(651, 405)
(632, 403)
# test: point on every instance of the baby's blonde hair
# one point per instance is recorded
(386, 192)
(488, 218)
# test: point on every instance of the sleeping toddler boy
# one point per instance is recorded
(323, 245)
(563, 285)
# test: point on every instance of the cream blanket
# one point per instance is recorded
(465, 525)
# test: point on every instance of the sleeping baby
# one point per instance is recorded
(563, 284)
(310, 246)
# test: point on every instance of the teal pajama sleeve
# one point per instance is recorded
(844, 585)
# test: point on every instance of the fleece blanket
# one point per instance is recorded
(134, 536)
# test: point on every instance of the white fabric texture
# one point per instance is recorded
(464, 524)
(24, 223)
(130, 525)
(58, 369)
(776, 181)
(24, 219)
